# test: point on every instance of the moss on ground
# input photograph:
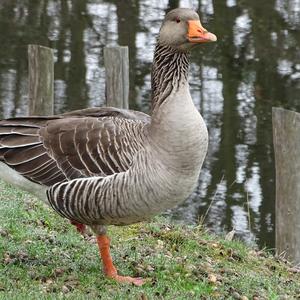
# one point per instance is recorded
(43, 257)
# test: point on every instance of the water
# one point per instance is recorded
(235, 82)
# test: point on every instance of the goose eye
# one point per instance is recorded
(177, 20)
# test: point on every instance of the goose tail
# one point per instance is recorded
(14, 178)
(22, 156)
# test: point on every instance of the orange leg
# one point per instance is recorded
(108, 266)
(79, 227)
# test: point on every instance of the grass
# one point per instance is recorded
(43, 257)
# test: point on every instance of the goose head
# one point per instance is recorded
(182, 30)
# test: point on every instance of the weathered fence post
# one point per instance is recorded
(286, 139)
(41, 80)
(116, 64)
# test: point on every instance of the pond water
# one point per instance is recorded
(235, 82)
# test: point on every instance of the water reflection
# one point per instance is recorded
(255, 65)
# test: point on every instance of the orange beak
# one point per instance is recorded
(198, 34)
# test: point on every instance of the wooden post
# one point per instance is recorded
(116, 64)
(41, 80)
(286, 138)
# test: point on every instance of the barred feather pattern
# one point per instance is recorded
(124, 198)
(116, 199)
(169, 69)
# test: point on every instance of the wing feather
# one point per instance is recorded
(17, 140)
(90, 142)
(26, 154)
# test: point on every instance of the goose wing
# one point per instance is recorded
(90, 142)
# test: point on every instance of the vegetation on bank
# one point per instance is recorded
(43, 257)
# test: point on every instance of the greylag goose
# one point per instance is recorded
(108, 166)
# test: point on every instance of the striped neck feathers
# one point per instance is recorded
(170, 67)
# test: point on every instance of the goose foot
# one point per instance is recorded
(127, 279)
(108, 266)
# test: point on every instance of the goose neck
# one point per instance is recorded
(169, 72)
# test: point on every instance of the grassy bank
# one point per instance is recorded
(42, 257)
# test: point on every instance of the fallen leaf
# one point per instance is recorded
(149, 268)
(58, 272)
(215, 245)
(143, 297)
(294, 270)
(236, 295)
(65, 289)
(49, 281)
(212, 278)
(3, 232)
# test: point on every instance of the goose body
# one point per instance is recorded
(108, 166)
(163, 172)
